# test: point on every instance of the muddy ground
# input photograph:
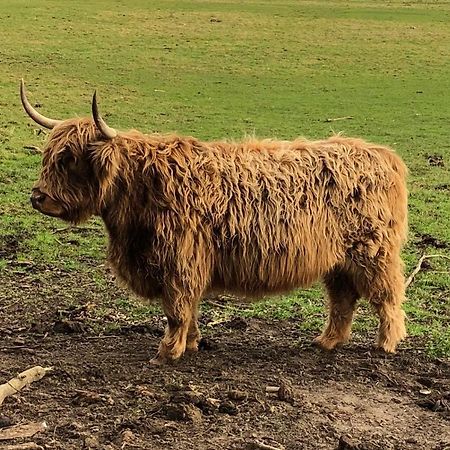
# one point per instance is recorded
(256, 384)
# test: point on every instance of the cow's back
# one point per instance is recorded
(285, 213)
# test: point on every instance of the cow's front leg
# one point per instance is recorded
(193, 336)
(186, 280)
(173, 344)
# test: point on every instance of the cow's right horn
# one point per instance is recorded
(37, 117)
(107, 131)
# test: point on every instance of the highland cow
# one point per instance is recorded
(187, 217)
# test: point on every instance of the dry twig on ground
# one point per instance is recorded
(20, 381)
(258, 445)
(419, 266)
(338, 118)
(74, 229)
(23, 446)
(25, 430)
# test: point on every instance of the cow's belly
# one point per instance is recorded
(271, 274)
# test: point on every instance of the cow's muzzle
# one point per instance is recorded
(37, 199)
(45, 204)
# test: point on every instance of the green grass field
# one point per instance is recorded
(225, 69)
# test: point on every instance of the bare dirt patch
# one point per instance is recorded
(256, 383)
(426, 240)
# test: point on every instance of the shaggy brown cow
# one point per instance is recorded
(185, 217)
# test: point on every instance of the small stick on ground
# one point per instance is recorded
(62, 230)
(217, 304)
(217, 322)
(26, 430)
(272, 389)
(102, 336)
(20, 381)
(338, 118)
(10, 304)
(419, 266)
(74, 229)
(258, 445)
(24, 446)
(227, 304)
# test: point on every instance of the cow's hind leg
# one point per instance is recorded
(342, 297)
(386, 292)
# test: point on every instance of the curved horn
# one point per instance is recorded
(37, 117)
(107, 131)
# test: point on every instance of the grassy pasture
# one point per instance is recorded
(224, 69)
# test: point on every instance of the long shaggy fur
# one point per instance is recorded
(256, 217)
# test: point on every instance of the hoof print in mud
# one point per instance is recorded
(284, 391)
(6, 421)
(229, 408)
(206, 344)
(347, 443)
(236, 395)
(188, 397)
(70, 327)
(183, 412)
(437, 403)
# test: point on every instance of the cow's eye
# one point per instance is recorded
(66, 160)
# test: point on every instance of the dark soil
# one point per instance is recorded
(436, 160)
(255, 384)
(426, 240)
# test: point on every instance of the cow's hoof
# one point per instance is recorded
(326, 343)
(385, 347)
(160, 360)
(191, 347)
(157, 361)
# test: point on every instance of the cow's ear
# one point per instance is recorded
(106, 163)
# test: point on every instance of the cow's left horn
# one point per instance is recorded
(37, 117)
(107, 131)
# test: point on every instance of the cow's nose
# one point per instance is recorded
(37, 197)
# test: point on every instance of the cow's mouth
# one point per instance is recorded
(45, 204)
